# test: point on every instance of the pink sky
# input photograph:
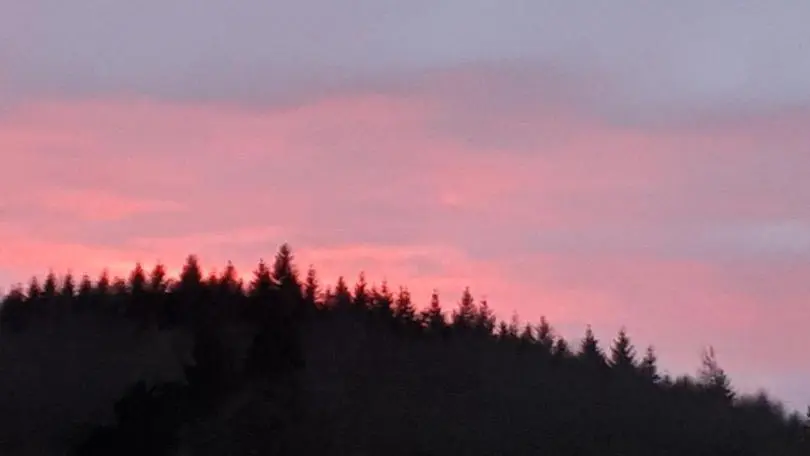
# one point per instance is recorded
(612, 196)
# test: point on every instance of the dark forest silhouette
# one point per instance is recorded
(364, 371)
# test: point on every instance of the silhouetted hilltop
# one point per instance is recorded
(213, 366)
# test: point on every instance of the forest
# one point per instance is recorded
(283, 365)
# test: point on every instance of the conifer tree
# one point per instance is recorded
(157, 279)
(261, 293)
(404, 310)
(67, 294)
(527, 337)
(102, 293)
(137, 281)
(623, 354)
(68, 287)
(229, 281)
(514, 327)
(285, 276)
(14, 311)
(545, 336)
(34, 290)
(590, 353)
(341, 296)
(311, 289)
(464, 317)
(433, 318)
(191, 276)
(137, 292)
(714, 379)
(649, 366)
(85, 295)
(383, 303)
(361, 296)
(484, 319)
(49, 287)
(503, 331)
(262, 286)
(561, 350)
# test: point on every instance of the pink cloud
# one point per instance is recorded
(559, 215)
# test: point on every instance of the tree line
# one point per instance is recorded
(550, 396)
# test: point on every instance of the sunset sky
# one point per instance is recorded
(618, 162)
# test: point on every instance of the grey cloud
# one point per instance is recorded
(661, 59)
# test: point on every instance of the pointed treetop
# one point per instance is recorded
(191, 275)
(545, 335)
(713, 377)
(85, 286)
(283, 268)
(68, 286)
(649, 365)
(157, 278)
(49, 288)
(137, 279)
(590, 352)
(622, 353)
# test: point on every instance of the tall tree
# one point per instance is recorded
(84, 298)
(383, 302)
(361, 295)
(311, 289)
(229, 282)
(562, 351)
(589, 352)
(484, 319)
(404, 310)
(285, 276)
(464, 317)
(623, 354)
(157, 279)
(341, 296)
(649, 365)
(433, 318)
(714, 379)
(545, 336)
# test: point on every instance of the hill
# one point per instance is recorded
(213, 366)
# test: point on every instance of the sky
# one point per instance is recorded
(612, 163)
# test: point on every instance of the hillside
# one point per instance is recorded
(284, 366)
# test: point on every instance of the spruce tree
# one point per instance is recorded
(562, 351)
(433, 319)
(361, 295)
(623, 354)
(157, 279)
(465, 316)
(649, 366)
(85, 295)
(311, 290)
(285, 276)
(484, 319)
(67, 294)
(383, 303)
(545, 336)
(404, 310)
(714, 379)
(527, 337)
(590, 353)
(341, 296)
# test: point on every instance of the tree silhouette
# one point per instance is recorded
(623, 354)
(404, 310)
(261, 380)
(714, 379)
(433, 319)
(465, 316)
(589, 352)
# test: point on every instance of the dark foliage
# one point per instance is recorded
(363, 372)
